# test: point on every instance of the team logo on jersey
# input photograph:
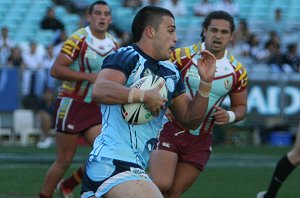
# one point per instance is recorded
(227, 84)
(170, 84)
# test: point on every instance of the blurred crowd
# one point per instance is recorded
(35, 60)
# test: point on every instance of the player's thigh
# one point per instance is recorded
(66, 146)
(185, 176)
(91, 133)
(135, 189)
(162, 168)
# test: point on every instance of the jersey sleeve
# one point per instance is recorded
(242, 78)
(182, 56)
(73, 44)
(123, 60)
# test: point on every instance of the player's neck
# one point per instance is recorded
(146, 48)
(98, 35)
(219, 55)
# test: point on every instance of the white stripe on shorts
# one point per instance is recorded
(119, 178)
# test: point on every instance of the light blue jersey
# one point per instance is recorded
(121, 152)
(120, 140)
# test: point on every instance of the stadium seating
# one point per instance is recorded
(5, 132)
(24, 125)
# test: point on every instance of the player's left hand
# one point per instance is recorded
(206, 66)
(221, 116)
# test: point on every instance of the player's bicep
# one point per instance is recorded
(62, 61)
(111, 75)
(238, 98)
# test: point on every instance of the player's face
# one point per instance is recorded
(100, 19)
(165, 38)
(217, 36)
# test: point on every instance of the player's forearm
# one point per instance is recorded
(239, 112)
(110, 92)
(66, 74)
(196, 112)
(197, 107)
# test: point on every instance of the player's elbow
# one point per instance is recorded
(97, 96)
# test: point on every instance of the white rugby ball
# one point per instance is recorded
(137, 113)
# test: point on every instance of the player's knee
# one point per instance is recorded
(175, 193)
(163, 184)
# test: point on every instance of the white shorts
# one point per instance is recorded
(101, 176)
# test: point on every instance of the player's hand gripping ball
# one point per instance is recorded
(137, 113)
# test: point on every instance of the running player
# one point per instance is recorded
(181, 153)
(284, 167)
(76, 113)
(116, 166)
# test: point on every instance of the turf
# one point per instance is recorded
(232, 172)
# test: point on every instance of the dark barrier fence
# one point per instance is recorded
(269, 96)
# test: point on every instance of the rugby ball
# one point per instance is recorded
(137, 113)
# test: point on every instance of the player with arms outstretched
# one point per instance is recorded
(76, 113)
(182, 153)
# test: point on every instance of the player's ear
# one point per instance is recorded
(150, 31)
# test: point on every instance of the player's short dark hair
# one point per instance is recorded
(217, 15)
(91, 7)
(148, 16)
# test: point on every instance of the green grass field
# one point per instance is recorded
(232, 172)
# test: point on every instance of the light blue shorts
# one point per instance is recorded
(102, 175)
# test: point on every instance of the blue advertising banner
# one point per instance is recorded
(9, 89)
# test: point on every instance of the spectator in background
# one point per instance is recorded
(48, 61)
(277, 23)
(45, 113)
(151, 3)
(134, 4)
(123, 37)
(15, 59)
(79, 7)
(6, 45)
(177, 7)
(242, 34)
(203, 8)
(291, 57)
(274, 60)
(33, 73)
(254, 50)
(58, 42)
(228, 6)
(50, 22)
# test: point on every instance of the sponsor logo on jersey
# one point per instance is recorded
(137, 170)
(170, 84)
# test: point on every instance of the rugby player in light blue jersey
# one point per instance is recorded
(116, 166)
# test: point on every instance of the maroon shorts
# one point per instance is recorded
(193, 149)
(73, 116)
